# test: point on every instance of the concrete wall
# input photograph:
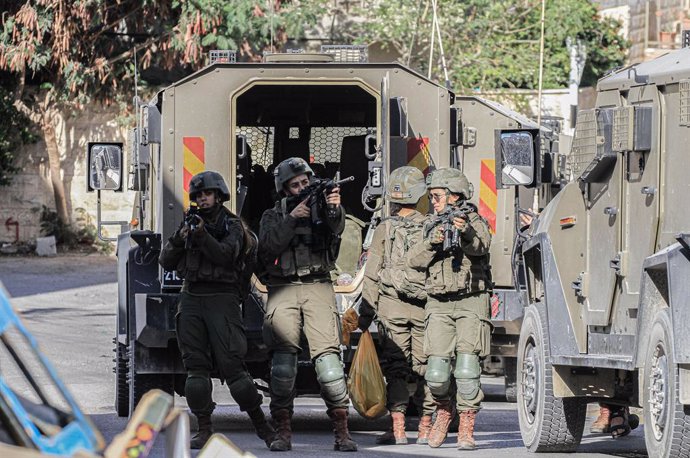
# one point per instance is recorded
(31, 187)
(662, 15)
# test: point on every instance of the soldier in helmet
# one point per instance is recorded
(297, 256)
(211, 251)
(396, 295)
(458, 327)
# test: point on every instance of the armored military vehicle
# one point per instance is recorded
(345, 116)
(607, 265)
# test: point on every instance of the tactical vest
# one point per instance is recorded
(457, 273)
(396, 278)
(312, 251)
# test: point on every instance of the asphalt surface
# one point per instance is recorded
(68, 303)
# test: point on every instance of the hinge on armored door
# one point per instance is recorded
(469, 136)
(581, 285)
(619, 263)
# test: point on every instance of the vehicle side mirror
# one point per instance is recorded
(105, 166)
(515, 158)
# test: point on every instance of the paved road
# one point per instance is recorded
(68, 303)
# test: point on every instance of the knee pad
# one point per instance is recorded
(331, 377)
(467, 372)
(283, 373)
(438, 375)
(197, 390)
(245, 393)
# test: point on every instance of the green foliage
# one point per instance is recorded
(14, 130)
(242, 25)
(83, 234)
(493, 44)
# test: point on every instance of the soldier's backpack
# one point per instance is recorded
(401, 235)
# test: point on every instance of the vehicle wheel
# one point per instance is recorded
(667, 422)
(121, 385)
(547, 423)
(510, 372)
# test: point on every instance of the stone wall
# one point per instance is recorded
(31, 189)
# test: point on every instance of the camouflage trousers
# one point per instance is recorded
(401, 331)
(460, 325)
(296, 308)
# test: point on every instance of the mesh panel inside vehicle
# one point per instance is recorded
(324, 145)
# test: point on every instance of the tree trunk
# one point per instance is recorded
(50, 137)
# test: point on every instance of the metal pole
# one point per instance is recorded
(646, 28)
(541, 61)
(431, 48)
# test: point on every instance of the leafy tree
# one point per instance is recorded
(14, 130)
(492, 44)
(68, 53)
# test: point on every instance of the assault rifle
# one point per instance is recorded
(191, 220)
(451, 235)
(316, 194)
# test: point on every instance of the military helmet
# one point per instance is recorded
(289, 169)
(208, 180)
(405, 185)
(451, 179)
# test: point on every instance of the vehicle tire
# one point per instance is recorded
(547, 423)
(510, 382)
(667, 422)
(121, 384)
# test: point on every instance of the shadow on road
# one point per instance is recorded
(25, 276)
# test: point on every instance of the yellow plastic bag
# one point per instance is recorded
(366, 384)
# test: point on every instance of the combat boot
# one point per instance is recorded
(204, 433)
(445, 411)
(396, 435)
(283, 437)
(424, 430)
(603, 422)
(264, 430)
(466, 430)
(343, 441)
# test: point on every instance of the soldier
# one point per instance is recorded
(210, 251)
(298, 255)
(396, 295)
(458, 328)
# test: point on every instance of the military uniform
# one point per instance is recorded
(388, 291)
(458, 326)
(297, 257)
(209, 326)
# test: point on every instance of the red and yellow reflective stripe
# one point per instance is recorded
(194, 162)
(418, 154)
(487, 192)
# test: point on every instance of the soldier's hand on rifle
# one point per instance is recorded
(459, 223)
(301, 210)
(436, 236)
(199, 227)
(333, 198)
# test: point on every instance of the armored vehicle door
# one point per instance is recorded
(600, 176)
(638, 127)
